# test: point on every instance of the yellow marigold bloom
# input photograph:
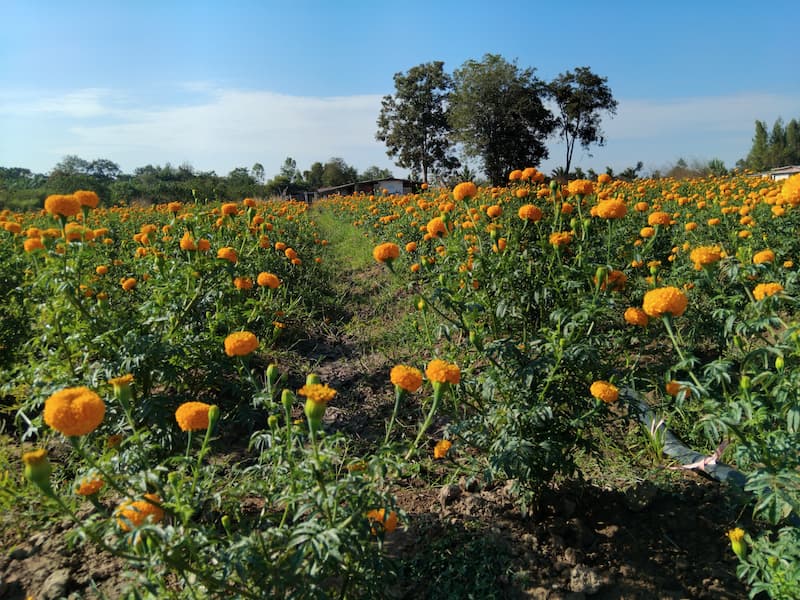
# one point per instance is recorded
(666, 300)
(736, 536)
(74, 411)
(128, 284)
(436, 227)
(560, 238)
(791, 190)
(386, 252)
(240, 343)
(441, 371)
(465, 190)
(187, 243)
(611, 209)
(705, 255)
(229, 208)
(62, 206)
(32, 244)
(530, 212)
(317, 392)
(243, 283)
(406, 378)
(636, 316)
(762, 290)
(101, 269)
(605, 391)
(192, 416)
(133, 514)
(494, 211)
(87, 198)
(387, 522)
(603, 178)
(713, 222)
(89, 486)
(765, 256)
(581, 187)
(642, 207)
(659, 218)
(442, 448)
(38, 468)
(515, 175)
(227, 253)
(269, 280)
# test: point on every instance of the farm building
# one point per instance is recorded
(392, 185)
(779, 173)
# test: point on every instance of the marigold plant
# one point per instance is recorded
(240, 343)
(665, 301)
(74, 411)
(192, 416)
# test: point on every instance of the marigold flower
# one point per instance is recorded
(614, 280)
(515, 175)
(705, 255)
(89, 486)
(240, 343)
(174, 207)
(605, 391)
(494, 211)
(762, 290)
(192, 416)
(74, 411)
(411, 247)
(442, 448)
(659, 218)
(269, 280)
(530, 212)
(243, 283)
(436, 227)
(765, 256)
(406, 378)
(386, 252)
(38, 468)
(560, 238)
(227, 253)
(32, 244)
(647, 232)
(387, 522)
(665, 300)
(440, 371)
(465, 190)
(636, 316)
(87, 198)
(203, 245)
(187, 242)
(133, 514)
(62, 206)
(129, 283)
(580, 187)
(229, 208)
(673, 388)
(317, 392)
(603, 178)
(611, 209)
(736, 536)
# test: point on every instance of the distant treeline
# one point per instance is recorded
(777, 148)
(22, 189)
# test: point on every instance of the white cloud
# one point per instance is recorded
(78, 104)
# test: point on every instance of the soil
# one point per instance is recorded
(465, 538)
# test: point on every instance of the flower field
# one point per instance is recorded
(160, 388)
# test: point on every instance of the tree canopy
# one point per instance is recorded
(413, 122)
(497, 113)
(778, 147)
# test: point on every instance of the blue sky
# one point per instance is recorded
(222, 85)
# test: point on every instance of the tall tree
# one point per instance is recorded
(413, 123)
(337, 172)
(580, 97)
(792, 143)
(758, 158)
(497, 113)
(375, 172)
(777, 144)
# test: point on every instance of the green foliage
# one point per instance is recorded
(497, 113)
(777, 148)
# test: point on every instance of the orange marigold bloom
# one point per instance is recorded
(317, 392)
(187, 243)
(560, 238)
(133, 514)
(603, 178)
(74, 411)
(659, 218)
(636, 316)
(89, 486)
(280, 246)
(647, 232)
(441, 371)
(705, 255)
(240, 343)
(665, 300)
(615, 281)
(387, 522)
(129, 283)
(87, 198)
(406, 378)
(229, 208)
(673, 388)
(243, 283)
(192, 416)
(605, 391)
(411, 247)
(530, 212)
(494, 211)
(174, 207)
(611, 209)
(227, 253)
(582, 187)
(762, 290)
(442, 448)
(203, 245)
(101, 269)
(765, 256)
(436, 227)
(31, 244)
(268, 280)
(515, 175)
(62, 206)
(386, 252)
(465, 190)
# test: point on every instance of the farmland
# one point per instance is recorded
(396, 396)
